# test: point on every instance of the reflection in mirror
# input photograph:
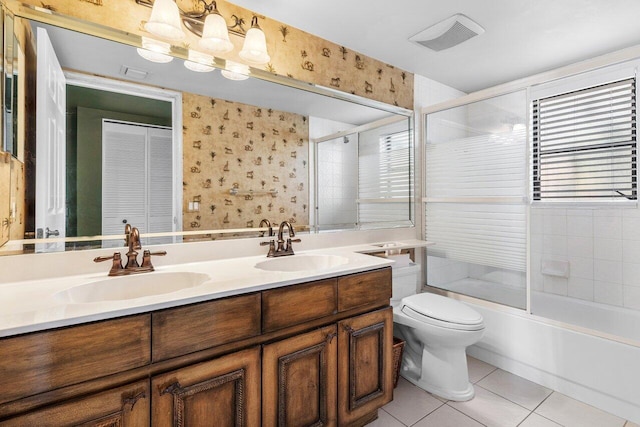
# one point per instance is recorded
(190, 155)
(365, 174)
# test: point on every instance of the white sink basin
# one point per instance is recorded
(131, 287)
(305, 262)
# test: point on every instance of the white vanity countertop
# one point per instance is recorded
(36, 305)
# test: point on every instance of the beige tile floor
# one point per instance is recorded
(502, 400)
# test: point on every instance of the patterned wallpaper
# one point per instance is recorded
(231, 145)
(293, 52)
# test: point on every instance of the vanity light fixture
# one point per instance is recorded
(235, 71)
(155, 50)
(254, 49)
(199, 62)
(165, 20)
(215, 34)
(210, 26)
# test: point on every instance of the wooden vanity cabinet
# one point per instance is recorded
(313, 354)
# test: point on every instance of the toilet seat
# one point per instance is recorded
(441, 311)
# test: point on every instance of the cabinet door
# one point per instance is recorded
(221, 392)
(299, 380)
(365, 365)
(122, 406)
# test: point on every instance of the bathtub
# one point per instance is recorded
(618, 323)
(612, 322)
(596, 366)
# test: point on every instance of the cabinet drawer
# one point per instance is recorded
(123, 406)
(183, 330)
(298, 304)
(43, 361)
(364, 289)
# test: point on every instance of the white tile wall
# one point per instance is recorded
(607, 249)
(602, 247)
(607, 293)
(631, 273)
(631, 297)
(337, 173)
(580, 288)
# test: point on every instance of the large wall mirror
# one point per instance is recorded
(96, 137)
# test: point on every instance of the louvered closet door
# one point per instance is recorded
(124, 180)
(160, 183)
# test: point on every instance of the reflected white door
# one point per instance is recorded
(50, 144)
(137, 180)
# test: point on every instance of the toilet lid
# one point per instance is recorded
(442, 308)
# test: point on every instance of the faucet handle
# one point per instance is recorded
(116, 257)
(117, 262)
(146, 258)
(272, 247)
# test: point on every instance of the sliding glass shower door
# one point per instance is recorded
(476, 199)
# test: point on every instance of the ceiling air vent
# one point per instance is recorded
(133, 73)
(448, 33)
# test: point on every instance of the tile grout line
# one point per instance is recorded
(494, 369)
(543, 400)
(496, 394)
(426, 415)
(391, 415)
(466, 415)
(540, 415)
(507, 399)
(525, 419)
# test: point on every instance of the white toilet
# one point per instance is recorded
(437, 331)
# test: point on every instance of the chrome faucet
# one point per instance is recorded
(132, 240)
(281, 249)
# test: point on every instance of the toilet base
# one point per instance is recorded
(458, 396)
(439, 369)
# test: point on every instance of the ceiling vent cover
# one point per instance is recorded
(133, 72)
(448, 33)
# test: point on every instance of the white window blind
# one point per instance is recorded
(384, 181)
(584, 144)
(475, 192)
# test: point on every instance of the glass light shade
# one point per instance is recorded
(155, 50)
(215, 35)
(165, 20)
(199, 62)
(235, 71)
(254, 49)
(152, 56)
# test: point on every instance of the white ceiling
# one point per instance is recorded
(523, 37)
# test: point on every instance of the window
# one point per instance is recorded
(584, 144)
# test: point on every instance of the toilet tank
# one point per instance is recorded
(405, 281)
